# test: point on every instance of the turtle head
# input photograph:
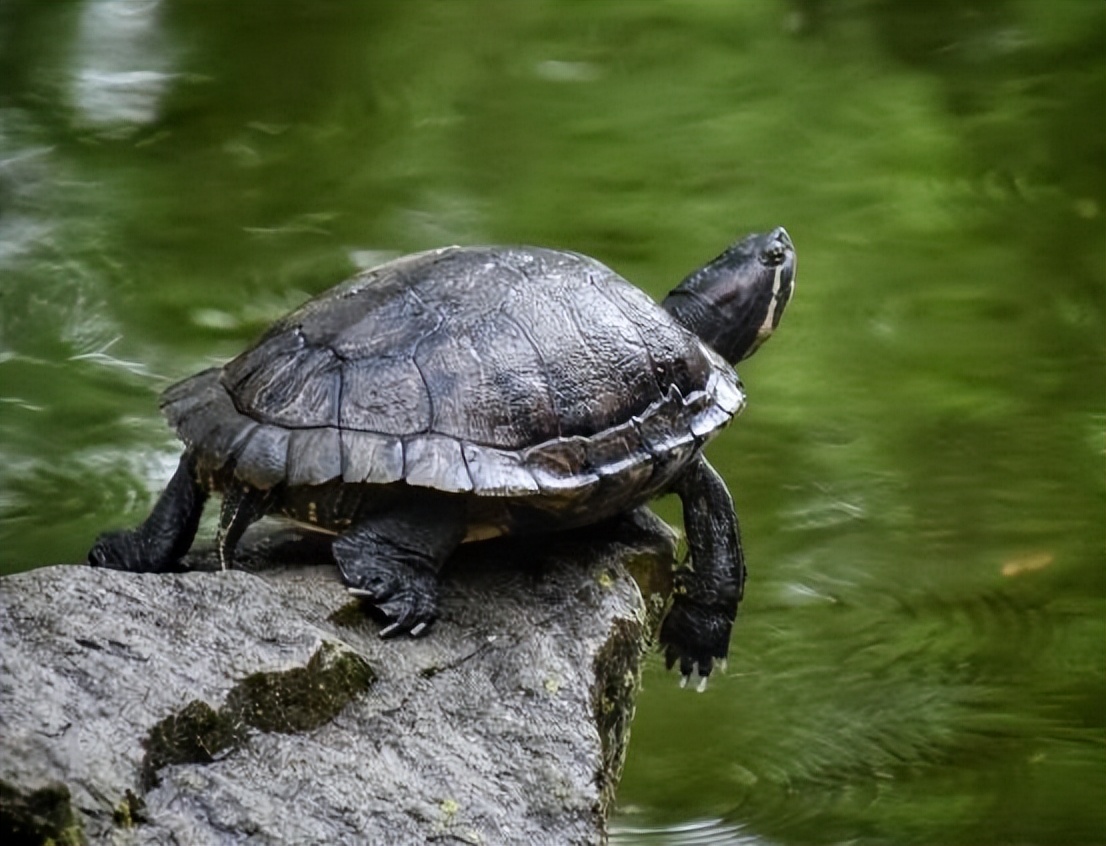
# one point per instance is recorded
(735, 302)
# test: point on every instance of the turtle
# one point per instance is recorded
(468, 392)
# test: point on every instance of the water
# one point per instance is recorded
(920, 471)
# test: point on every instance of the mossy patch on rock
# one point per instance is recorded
(618, 669)
(288, 702)
(303, 698)
(130, 811)
(36, 817)
(350, 616)
(194, 735)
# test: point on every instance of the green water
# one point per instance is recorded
(921, 657)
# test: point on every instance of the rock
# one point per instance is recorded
(259, 706)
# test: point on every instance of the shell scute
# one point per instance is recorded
(386, 395)
(314, 456)
(499, 472)
(436, 461)
(560, 466)
(371, 457)
(298, 388)
(263, 459)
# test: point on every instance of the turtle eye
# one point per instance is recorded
(773, 255)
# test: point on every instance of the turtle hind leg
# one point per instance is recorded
(392, 559)
(696, 631)
(242, 506)
(165, 536)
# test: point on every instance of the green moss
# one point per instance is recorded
(300, 699)
(194, 735)
(653, 572)
(292, 701)
(130, 811)
(618, 670)
(449, 808)
(349, 616)
(38, 817)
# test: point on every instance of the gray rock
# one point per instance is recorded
(261, 707)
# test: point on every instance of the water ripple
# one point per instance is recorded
(714, 832)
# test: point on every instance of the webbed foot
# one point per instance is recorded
(408, 598)
(165, 536)
(696, 636)
(120, 550)
(392, 559)
(133, 552)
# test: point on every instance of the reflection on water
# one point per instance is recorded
(694, 833)
(118, 60)
(920, 469)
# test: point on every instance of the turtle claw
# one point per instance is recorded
(696, 638)
(699, 688)
(390, 630)
(408, 600)
(406, 614)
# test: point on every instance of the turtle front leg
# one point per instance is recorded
(697, 628)
(392, 559)
(165, 536)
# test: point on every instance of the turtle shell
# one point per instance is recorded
(492, 370)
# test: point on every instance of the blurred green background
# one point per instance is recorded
(921, 657)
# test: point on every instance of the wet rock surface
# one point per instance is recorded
(260, 706)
